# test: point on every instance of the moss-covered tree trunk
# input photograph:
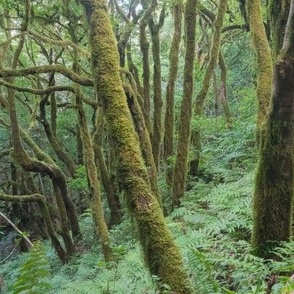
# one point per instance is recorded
(278, 15)
(199, 102)
(110, 189)
(162, 256)
(157, 93)
(181, 163)
(223, 92)
(144, 46)
(169, 118)
(94, 185)
(274, 186)
(133, 98)
(264, 64)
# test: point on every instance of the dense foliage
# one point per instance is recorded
(82, 184)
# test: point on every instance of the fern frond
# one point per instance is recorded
(33, 273)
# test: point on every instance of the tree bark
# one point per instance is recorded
(110, 189)
(181, 163)
(264, 65)
(94, 185)
(199, 102)
(133, 98)
(161, 254)
(144, 45)
(274, 185)
(157, 93)
(169, 118)
(223, 92)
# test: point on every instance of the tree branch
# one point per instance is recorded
(63, 43)
(37, 91)
(84, 81)
(16, 228)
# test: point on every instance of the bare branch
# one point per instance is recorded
(16, 228)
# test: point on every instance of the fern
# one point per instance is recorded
(33, 273)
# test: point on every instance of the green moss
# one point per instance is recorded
(153, 232)
(264, 64)
(278, 12)
(273, 195)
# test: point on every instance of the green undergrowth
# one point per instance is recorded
(212, 228)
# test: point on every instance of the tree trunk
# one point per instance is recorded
(264, 65)
(169, 119)
(199, 102)
(144, 45)
(51, 135)
(274, 186)
(157, 95)
(94, 185)
(181, 163)
(223, 92)
(110, 189)
(138, 119)
(162, 256)
(278, 13)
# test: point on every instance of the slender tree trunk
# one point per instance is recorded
(199, 102)
(274, 186)
(161, 254)
(138, 118)
(110, 189)
(278, 14)
(144, 45)
(79, 159)
(51, 135)
(135, 72)
(223, 92)
(46, 165)
(216, 94)
(181, 163)
(94, 185)
(157, 95)
(264, 65)
(169, 118)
